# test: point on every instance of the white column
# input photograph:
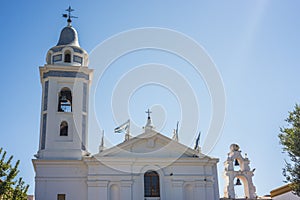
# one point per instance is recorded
(200, 192)
(177, 190)
(216, 184)
(126, 187)
(97, 190)
(210, 191)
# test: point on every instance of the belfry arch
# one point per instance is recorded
(65, 100)
(242, 177)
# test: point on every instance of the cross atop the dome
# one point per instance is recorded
(69, 15)
(148, 112)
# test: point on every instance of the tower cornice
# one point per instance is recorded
(65, 72)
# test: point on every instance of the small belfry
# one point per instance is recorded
(65, 80)
(243, 175)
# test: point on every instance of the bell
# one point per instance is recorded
(64, 99)
(238, 182)
(236, 162)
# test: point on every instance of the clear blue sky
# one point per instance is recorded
(254, 44)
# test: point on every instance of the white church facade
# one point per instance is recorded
(149, 166)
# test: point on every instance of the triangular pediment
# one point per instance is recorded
(150, 144)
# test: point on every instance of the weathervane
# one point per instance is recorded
(69, 16)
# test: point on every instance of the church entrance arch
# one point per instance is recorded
(151, 185)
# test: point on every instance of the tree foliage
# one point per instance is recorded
(290, 139)
(10, 187)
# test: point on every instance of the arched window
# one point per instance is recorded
(67, 57)
(114, 192)
(236, 164)
(239, 189)
(65, 100)
(188, 192)
(151, 184)
(63, 129)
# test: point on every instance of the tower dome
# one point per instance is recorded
(67, 51)
(68, 36)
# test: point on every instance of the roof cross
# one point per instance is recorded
(148, 112)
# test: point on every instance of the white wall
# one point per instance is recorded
(287, 196)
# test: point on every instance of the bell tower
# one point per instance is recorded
(243, 175)
(65, 80)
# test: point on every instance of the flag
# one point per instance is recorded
(197, 141)
(124, 127)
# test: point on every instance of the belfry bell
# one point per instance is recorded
(236, 162)
(238, 182)
(64, 99)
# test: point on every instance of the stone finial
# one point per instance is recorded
(234, 147)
